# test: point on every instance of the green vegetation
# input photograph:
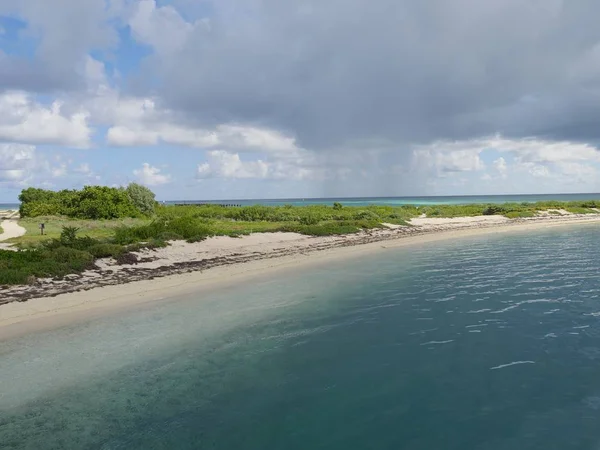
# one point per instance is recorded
(142, 198)
(98, 229)
(98, 222)
(91, 202)
(57, 257)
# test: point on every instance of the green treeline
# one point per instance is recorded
(91, 202)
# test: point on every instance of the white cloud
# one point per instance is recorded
(151, 176)
(229, 165)
(537, 170)
(465, 155)
(83, 168)
(59, 171)
(138, 122)
(222, 164)
(456, 160)
(500, 166)
(162, 28)
(23, 120)
(16, 162)
(22, 165)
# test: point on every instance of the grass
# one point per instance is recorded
(97, 229)
(71, 246)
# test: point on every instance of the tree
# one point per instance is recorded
(142, 198)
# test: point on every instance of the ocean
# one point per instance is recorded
(488, 342)
(398, 201)
(390, 201)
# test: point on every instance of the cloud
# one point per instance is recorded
(448, 156)
(22, 165)
(222, 164)
(313, 72)
(227, 165)
(83, 168)
(500, 166)
(396, 92)
(139, 122)
(151, 176)
(63, 41)
(147, 19)
(24, 120)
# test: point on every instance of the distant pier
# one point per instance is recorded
(222, 205)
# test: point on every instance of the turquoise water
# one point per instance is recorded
(397, 201)
(390, 201)
(485, 343)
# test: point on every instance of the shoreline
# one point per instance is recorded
(54, 303)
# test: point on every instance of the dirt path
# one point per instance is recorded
(11, 230)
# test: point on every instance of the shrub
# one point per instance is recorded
(101, 202)
(68, 235)
(337, 206)
(72, 256)
(518, 214)
(180, 228)
(92, 202)
(492, 210)
(142, 198)
(309, 219)
(36, 209)
(106, 250)
(366, 215)
(188, 227)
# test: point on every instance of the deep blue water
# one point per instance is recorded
(396, 201)
(486, 343)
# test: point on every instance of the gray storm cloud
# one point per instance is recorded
(341, 76)
(340, 73)
(354, 72)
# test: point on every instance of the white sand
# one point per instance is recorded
(11, 230)
(296, 251)
(475, 220)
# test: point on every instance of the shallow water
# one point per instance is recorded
(481, 343)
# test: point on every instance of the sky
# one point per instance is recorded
(235, 99)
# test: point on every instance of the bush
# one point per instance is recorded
(366, 215)
(161, 229)
(493, 210)
(92, 202)
(37, 209)
(337, 206)
(72, 256)
(188, 227)
(142, 198)
(519, 214)
(309, 219)
(106, 250)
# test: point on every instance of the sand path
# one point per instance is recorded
(11, 230)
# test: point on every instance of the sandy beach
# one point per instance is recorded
(183, 268)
